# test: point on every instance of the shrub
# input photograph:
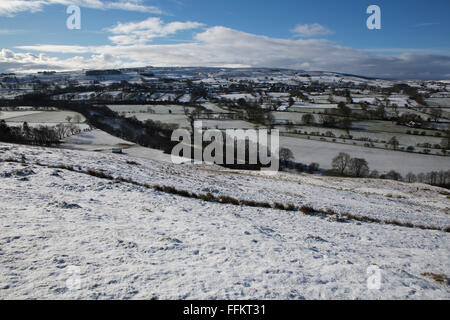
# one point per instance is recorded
(286, 155)
(99, 174)
(230, 200)
(252, 203)
(341, 162)
(207, 197)
(394, 175)
(441, 278)
(374, 174)
(279, 206)
(411, 177)
(134, 163)
(64, 167)
(313, 167)
(300, 167)
(184, 193)
(307, 209)
(290, 207)
(358, 167)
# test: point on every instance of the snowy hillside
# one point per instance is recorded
(70, 231)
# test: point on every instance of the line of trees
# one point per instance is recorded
(152, 134)
(434, 178)
(345, 166)
(40, 136)
(287, 161)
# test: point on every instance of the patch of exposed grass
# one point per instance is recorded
(307, 210)
(207, 197)
(61, 166)
(230, 200)
(171, 190)
(99, 174)
(279, 206)
(291, 207)
(252, 203)
(12, 160)
(441, 278)
(133, 163)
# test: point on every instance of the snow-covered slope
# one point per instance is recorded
(95, 140)
(124, 240)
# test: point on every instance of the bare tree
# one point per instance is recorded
(270, 121)
(435, 113)
(340, 162)
(286, 155)
(191, 116)
(313, 167)
(73, 129)
(394, 175)
(358, 167)
(411, 177)
(308, 119)
(346, 124)
(344, 110)
(291, 102)
(445, 143)
(394, 143)
(61, 130)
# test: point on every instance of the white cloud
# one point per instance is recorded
(10, 8)
(144, 31)
(220, 47)
(29, 62)
(311, 30)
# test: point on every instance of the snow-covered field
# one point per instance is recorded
(228, 124)
(44, 117)
(212, 107)
(178, 119)
(95, 140)
(311, 106)
(70, 231)
(65, 234)
(6, 115)
(158, 109)
(308, 151)
(441, 102)
(369, 130)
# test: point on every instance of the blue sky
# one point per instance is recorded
(414, 40)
